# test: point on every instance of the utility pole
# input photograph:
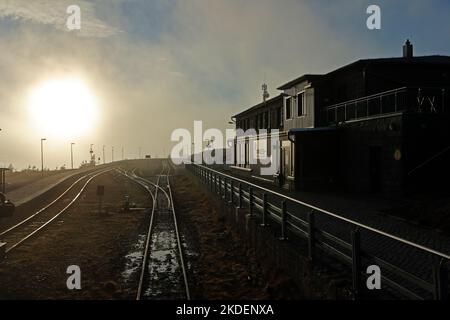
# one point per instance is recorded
(42, 153)
(71, 153)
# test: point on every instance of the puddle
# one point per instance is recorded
(134, 260)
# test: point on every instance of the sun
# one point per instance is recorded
(63, 108)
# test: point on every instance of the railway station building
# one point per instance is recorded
(375, 125)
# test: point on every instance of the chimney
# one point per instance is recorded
(408, 49)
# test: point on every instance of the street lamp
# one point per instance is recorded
(42, 153)
(71, 153)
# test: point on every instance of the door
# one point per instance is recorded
(287, 159)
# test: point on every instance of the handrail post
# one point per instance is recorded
(216, 187)
(225, 188)
(264, 211)
(356, 262)
(311, 234)
(210, 181)
(240, 195)
(250, 201)
(283, 220)
(345, 112)
(231, 192)
(381, 104)
(440, 275)
(395, 101)
(217, 184)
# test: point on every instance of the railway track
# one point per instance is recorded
(163, 270)
(19, 233)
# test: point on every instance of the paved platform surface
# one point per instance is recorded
(23, 187)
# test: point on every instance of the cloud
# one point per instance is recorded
(53, 13)
(178, 61)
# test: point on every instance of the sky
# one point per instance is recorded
(157, 65)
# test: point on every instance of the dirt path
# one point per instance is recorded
(220, 265)
(96, 242)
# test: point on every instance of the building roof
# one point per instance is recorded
(305, 77)
(430, 60)
(259, 105)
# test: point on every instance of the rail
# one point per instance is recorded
(43, 224)
(153, 221)
(353, 245)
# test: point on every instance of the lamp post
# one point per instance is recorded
(104, 154)
(71, 153)
(42, 153)
(112, 154)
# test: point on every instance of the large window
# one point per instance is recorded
(279, 117)
(301, 106)
(288, 108)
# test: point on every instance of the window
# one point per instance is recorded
(279, 116)
(301, 107)
(241, 156)
(247, 154)
(261, 149)
(288, 108)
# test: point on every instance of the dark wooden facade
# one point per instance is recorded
(377, 125)
(265, 115)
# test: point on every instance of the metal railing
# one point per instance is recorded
(431, 100)
(421, 272)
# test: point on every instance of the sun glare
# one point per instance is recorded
(63, 108)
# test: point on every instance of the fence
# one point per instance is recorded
(433, 100)
(408, 269)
